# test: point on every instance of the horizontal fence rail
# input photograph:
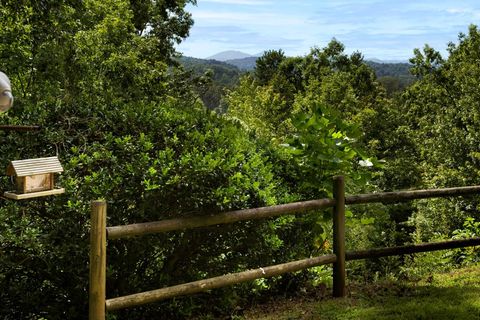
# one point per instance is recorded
(216, 282)
(338, 258)
(401, 196)
(413, 248)
(221, 218)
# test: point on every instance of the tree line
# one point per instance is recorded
(219, 76)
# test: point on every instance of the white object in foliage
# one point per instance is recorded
(6, 97)
(365, 163)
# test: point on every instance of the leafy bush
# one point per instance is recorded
(471, 229)
(150, 162)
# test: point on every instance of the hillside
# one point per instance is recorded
(383, 69)
(221, 76)
(395, 77)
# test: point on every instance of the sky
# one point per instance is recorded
(387, 30)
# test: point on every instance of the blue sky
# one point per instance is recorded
(388, 30)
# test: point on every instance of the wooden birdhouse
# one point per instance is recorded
(34, 178)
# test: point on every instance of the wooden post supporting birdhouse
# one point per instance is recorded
(34, 178)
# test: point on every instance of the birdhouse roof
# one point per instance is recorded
(30, 167)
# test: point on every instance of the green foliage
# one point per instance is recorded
(89, 50)
(395, 85)
(470, 229)
(323, 146)
(267, 66)
(441, 110)
(425, 63)
(427, 137)
(259, 109)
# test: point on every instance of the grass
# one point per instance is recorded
(454, 295)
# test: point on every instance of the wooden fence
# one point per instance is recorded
(98, 304)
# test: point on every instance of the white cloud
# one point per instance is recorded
(474, 14)
(247, 19)
(457, 10)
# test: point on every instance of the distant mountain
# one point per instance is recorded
(229, 55)
(245, 64)
(386, 61)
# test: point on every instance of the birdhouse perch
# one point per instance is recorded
(34, 178)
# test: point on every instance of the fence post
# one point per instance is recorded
(98, 260)
(339, 236)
